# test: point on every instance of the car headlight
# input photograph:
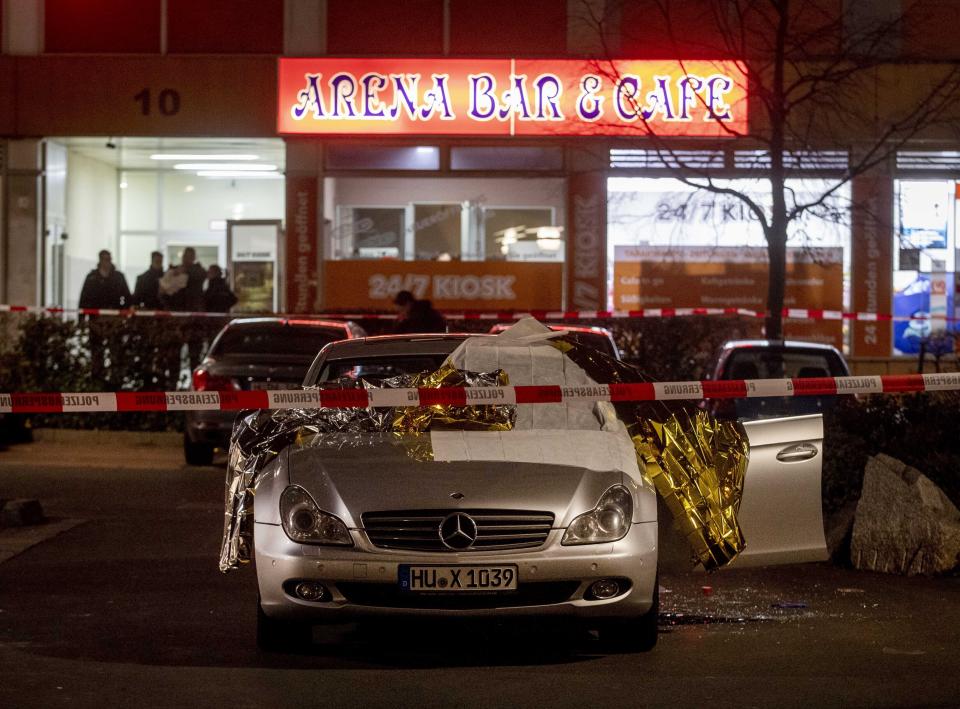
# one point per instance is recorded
(304, 522)
(607, 522)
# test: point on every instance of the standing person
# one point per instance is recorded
(105, 286)
(417, 315)
(181, 289)
(427, 318)
(404, 301)
(189, 296)
(217, 298)
(146, 294)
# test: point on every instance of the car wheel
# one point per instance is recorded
(634, 634)
(281, 635)
(196, 453)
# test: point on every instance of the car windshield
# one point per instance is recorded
(762, 363)
(275, 338)
(380, 367)
(595, 340)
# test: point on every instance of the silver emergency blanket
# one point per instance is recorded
(259, 436)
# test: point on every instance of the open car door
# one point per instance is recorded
(780, 512)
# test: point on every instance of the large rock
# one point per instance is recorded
(904, 523)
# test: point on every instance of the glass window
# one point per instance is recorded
(191, 202)
(374, 232)
(433, 218)
(381, 367)
(138, 201)
(924, 258)
(379, 157)
(665, 211)
(521, 234)
(506, 158)
(673, 245)
(436, 231)
(274, 338)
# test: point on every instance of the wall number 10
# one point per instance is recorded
(167, 103)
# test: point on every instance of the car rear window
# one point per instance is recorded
(763, 363)
(381, 367)
(275, 338)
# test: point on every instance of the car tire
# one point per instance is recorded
(196, 453)
(280, 635)
(634, 634)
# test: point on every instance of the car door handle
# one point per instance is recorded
(794, 454)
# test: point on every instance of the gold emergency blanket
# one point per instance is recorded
(697, 463)
(420, 419)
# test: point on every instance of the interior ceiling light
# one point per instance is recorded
(548, 232)
(234, 167)
(548, 238)
(202, 156)
(250, 174)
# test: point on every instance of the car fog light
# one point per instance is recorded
(311, 591)
(603, 589)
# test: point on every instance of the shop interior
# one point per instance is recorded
(463, 216)
(133, 196)
(445, 219)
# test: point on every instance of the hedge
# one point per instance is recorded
(48, 353)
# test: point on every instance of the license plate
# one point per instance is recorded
(455, 579)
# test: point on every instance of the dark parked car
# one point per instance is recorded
(776, 359)
(254, 353)
(599, 338)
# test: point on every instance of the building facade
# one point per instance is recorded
(420, 159)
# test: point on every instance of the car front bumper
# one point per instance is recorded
(363, 580)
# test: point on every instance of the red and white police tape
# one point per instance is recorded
(88, 402)
(497, 316)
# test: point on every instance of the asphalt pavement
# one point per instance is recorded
(121, 604)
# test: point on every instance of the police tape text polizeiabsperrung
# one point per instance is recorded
(93, 402)
(499, 316)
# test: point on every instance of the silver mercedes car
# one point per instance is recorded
(549, 519)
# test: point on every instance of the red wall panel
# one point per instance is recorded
(930, 31)
(507, 27)
(651, 29)
(102, 26)
(385, 27)
(709, 29)
(225, 26)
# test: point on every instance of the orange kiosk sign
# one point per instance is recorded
(505, 97)
(731, 276)
(450, 285)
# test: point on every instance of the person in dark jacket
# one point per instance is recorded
(146, 294)
(190, 297)
(217, 298)
(105, 286)
(417, 315)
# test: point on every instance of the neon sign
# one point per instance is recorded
(524, 97)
